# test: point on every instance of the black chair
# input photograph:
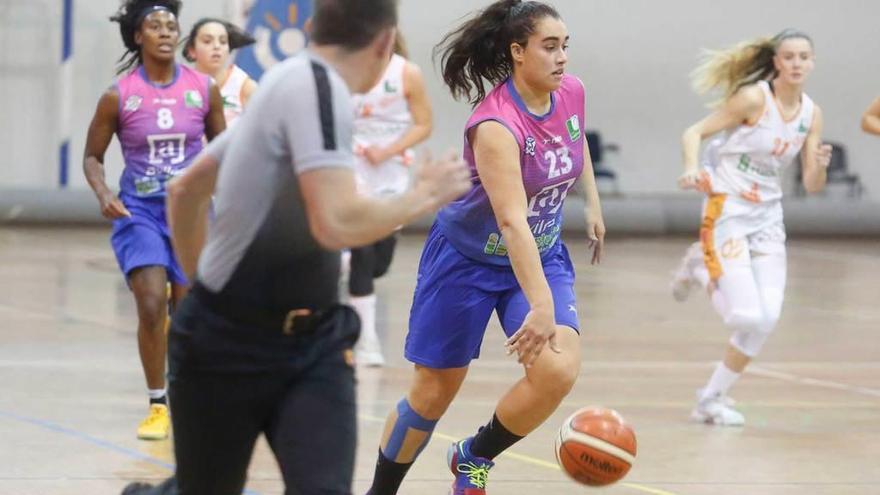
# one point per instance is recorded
(838, 173)
(598, 151)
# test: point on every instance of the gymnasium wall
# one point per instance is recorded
(633, 55)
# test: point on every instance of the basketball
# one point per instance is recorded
(595, 446)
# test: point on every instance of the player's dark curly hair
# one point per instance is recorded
(130, 16)
(237, 36)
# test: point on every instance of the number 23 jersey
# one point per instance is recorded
(160, 128)
(551, 158)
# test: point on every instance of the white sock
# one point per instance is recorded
(365, 306)
(722, 379)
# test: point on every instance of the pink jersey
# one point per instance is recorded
(551, 156)
(160, 128)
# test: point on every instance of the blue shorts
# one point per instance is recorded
(455, 296)
(144, 239)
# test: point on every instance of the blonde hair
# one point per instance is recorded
(743, 64)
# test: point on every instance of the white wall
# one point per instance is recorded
(633, 55)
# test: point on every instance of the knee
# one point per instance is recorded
(558, 378)
(753, 321)
(430, 402)
(745, 320)
(433, 390)
(749, 343)
(151, 311)
(751, 332)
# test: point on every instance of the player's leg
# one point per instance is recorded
(737, 299)
(363, 299)
(533, 398)
(149, 287)
(447, 321)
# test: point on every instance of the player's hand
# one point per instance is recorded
(689, 180)
(112, 207)
(595, 235)
(439, 182)
(823, 155)
(375, 155)
(538, 330)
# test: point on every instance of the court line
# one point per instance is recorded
(46, 425)
(528, 459)
(677, 365)
(812, 382)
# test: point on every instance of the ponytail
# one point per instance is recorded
(479, 50)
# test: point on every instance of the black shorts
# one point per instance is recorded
(229, 382)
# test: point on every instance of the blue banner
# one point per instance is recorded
(277, 26)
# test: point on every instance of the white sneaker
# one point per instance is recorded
(683, 277)
(370, 359)
(726, 399)
(717, 410)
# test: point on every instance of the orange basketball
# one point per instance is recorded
(595, 446)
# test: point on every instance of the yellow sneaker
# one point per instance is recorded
(156, 425)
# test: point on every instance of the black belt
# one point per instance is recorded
(301, 321)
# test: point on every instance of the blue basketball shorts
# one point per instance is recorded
(144, 239)
(455, 296)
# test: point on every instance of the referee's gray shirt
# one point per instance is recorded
(259, 249)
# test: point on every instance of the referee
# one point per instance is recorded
(261, 344)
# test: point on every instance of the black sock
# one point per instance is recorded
(492, 440)
(388, 477)
(161, 400)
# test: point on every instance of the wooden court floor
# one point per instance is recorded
(72, 389)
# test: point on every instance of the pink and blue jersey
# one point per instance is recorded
(551, 158)
(160, 128)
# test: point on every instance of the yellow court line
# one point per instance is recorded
(529, 459)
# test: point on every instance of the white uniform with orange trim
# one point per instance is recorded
(743, 180)
(382, 117)
(231, 93)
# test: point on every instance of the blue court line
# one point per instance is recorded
(95, 441)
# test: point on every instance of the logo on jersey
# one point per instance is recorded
(167, 148)
(389, 88)
(549, 200)
(193, 99)
(803, 127)
(573, 125)
(733, 248)
(530, 146)
(132, 103)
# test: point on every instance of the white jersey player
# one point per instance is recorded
(209, 47)
(764, 120)
(390, 119)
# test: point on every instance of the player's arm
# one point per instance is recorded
(496, 153)
(592, 208)
(815, 156)
(340, 217)
(871, 118)
(744, 106)
(419, 107)
(188, 204)
(100, 134)
(247, 90)
(215, 122)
